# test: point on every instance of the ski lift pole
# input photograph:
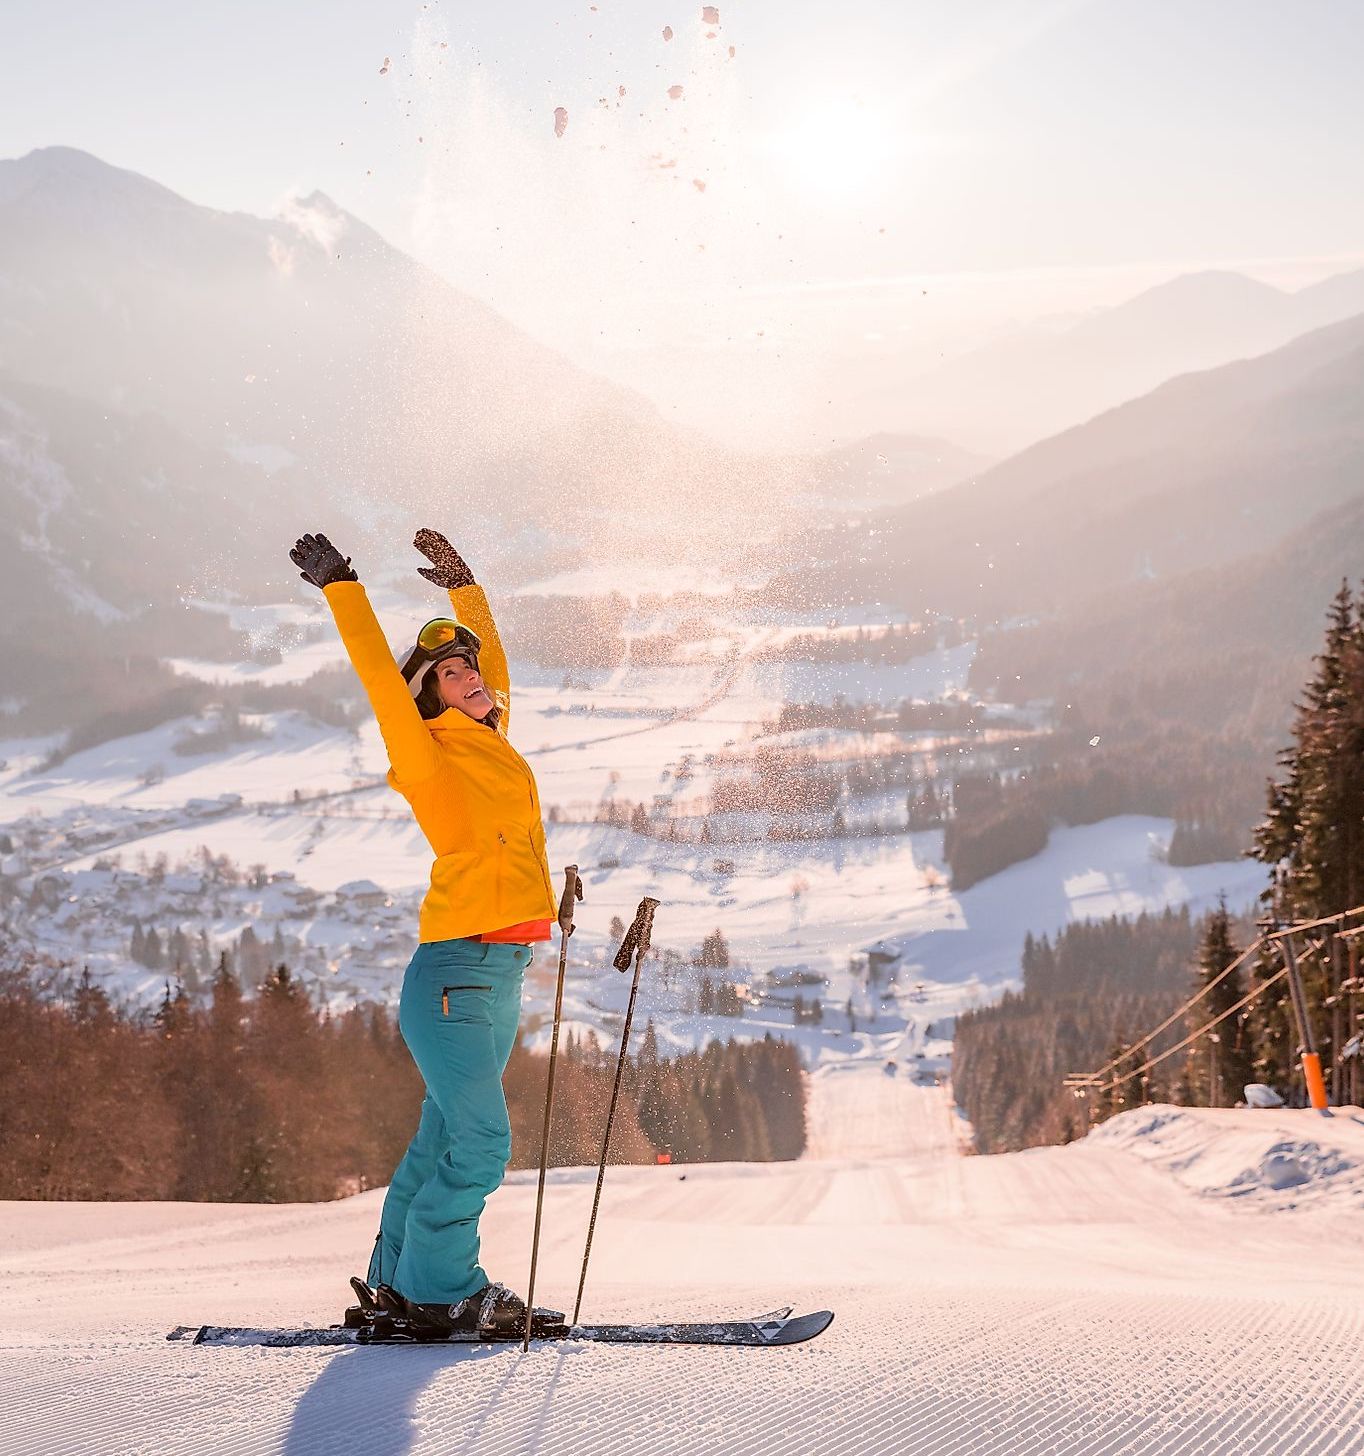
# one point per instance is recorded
(636, 944)
(1311, 1061)
(573, 890)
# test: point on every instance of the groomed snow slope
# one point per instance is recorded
(1090, 1299)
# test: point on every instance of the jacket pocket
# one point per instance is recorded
(537, 849)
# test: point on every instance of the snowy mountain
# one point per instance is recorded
(308, 338)
(1203, 470)
(1040, 379)
(885, 471)
(1150, 639)
(109, 512)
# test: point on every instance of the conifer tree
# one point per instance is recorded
(1313, 832)
(171, 1011)
(225, 1013)
(91, 1002)
(714, 951)
(179, 951)
(1216, 1071)
(253, 964)
(648, 1051)
(1312, 836)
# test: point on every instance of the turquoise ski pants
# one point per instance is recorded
(460, 1006)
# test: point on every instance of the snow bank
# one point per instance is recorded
(1273, 1158)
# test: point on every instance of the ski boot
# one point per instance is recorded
(490, 1313)
(363, 1312)
(502, 1316)
(381, 1316)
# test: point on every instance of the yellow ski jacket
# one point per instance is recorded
(473, 795)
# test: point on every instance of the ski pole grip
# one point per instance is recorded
(636, 942)
(573, 890)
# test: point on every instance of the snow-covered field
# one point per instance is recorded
(1117, 1297)
(1180, 1282)
(306, 803)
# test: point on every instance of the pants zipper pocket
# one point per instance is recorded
(445, 995)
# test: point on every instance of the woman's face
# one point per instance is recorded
(460, 686)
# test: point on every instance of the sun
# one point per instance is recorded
(840, 147)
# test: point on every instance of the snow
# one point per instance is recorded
(1076, 1300)
(295, 753)
(931, 676)
(1179, 1281)
(643, 579)
(270, 458)
(1276, 1158)
(299, 664)
(819, 901)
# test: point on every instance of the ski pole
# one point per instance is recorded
(636, 944)
(573, 889)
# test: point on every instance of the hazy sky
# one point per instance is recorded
(856, 178)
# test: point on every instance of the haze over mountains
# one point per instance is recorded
(308, 340)
(188, 384)
(1040, 379)
(890, 470)
(1205, 468)
(1172, 557)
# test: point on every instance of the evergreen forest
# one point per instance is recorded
(265, 1098)
(1092, 995)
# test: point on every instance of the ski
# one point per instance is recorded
(779, 1327)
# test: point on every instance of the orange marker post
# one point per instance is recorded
(1316, 1083)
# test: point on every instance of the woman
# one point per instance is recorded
(443, 715)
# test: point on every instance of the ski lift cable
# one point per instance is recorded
(1314, 924)
(1240, 960)
(1193, 1036)
(1188, 1005)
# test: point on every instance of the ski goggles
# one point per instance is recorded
(439, 639)
(446, 637)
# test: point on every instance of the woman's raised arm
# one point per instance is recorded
(450, 570)
(411, 751)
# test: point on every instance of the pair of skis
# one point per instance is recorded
(776, 1328)
(780, 1327)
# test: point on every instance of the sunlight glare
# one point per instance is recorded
(837, 148)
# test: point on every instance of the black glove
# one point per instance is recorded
(319, 562)
(448, 568)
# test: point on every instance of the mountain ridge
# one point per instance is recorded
(1039, 381)
(1207, 467)
(310, 333)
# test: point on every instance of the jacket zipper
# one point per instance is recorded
(445, 995)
